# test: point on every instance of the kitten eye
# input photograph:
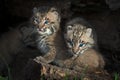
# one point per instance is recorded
(36, 20)
(70, 42)
(81, 44)
(46, 20)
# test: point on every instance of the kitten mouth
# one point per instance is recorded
(42, 29)
(75, 54)
(72, 54)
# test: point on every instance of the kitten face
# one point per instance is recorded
(78, 38)
(46, 19)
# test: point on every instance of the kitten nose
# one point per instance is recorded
(75, 49)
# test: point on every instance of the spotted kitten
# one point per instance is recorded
(47, 19)
(79, 36)
(45, 22)
(80, 42)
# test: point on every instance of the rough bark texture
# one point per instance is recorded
(41, 70)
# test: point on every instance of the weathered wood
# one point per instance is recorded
(37, 69)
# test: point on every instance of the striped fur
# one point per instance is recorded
(44, 23)
(78, 36)
(80, 43)
(46, 19)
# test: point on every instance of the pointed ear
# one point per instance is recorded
(35, 10)
(89, 32)
(54, 15)
(54, 11)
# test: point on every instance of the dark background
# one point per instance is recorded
(16, 11)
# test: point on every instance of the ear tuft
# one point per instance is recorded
(89, 32)
(53, 9)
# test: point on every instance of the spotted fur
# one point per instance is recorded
(78, 36)
(80, 42)
(46, 19)
(45, 22)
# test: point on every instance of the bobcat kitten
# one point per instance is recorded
(80, 42)
(47, 21)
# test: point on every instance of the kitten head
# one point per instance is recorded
(78, 38)
(46, 19)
